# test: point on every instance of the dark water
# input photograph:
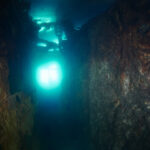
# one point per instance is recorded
(59, 125)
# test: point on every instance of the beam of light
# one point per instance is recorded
(50, 29)
(42, 44)
(64, 37)
(42, 29)
(49, 76)
(56, 41)
(51, 50)
(40, 20)
(49, 35)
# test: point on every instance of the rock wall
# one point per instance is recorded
(4, 71)
(16, 121)
(16, 107)
(117, 78)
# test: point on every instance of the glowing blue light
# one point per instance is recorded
(42, 29)
(64, 37)
(39, 22)
(51, 50)
(42, 44)
(50, 29)
(49, 76)
(56, 41)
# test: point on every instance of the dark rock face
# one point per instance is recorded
(4, 86)
(16, 108)
(118, 77)
(16, 121)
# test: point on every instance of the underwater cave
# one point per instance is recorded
(75, 75)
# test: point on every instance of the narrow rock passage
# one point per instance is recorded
(56, 129)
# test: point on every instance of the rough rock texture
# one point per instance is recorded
(117, 85)
(16, 108)
(16, 113)
(4, 85)
(16, 121)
